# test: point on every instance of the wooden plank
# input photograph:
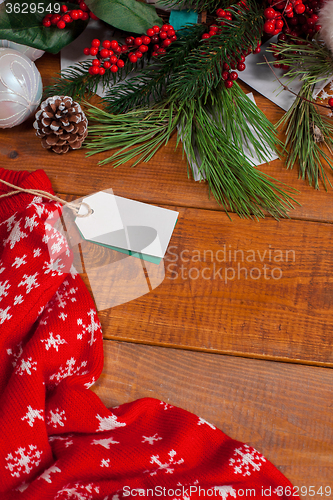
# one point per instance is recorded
(236, 306)
(283, 410)
(163, 180)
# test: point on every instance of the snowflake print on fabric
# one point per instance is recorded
(37, 252)
(19, 261)
(31, 223)
(93, 327)
(168, 466)
(47, 473)
(108, 423)
(30, 282)
(62, 316)
(38, 205)
(62, 297)
(166, 405)
(32, 414)
(202, 421)
(105, 463)
(77, 492)
(56, 418)
(246, 457)
(26, 366)
(15, 236)
(4, 315)
(54, 267)
(67, 440)
(151, 439)
(17, 354)
(53, 341)
(105, 442)
(224, 491)
(23, 460)
(18, 299)
(10, 222)
(68, 370)
(4, 286)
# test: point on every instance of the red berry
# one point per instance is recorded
(269, 27)
(161, 51)
(104, 53)
(101, 71)
(156, 46)
(129, 40)
(300, 8)
(228, 84)
(132, 58)
(107, 64)
(214, 28)
(170, 33)
(55, 18)
(146, 40)
(241, 66)
(154, 54)
(225, 75)
(138, 41)
(79, 13)
(95, 42)
(96, 62)
(46, 23)
(114, 68)
(166, 43)
(150, 32)
(279, 24)
(163, 35)
(205, 36)
(114, 44)
(94, 70)
(92, 16)
(61, 25)
(330, 102)
(220, 13)
(83, 7)
(66, 18)
(156, 29)
(124, 48)
(85, 16)
(226, 66)
(165, 27)
(118, 50)
(155, 39)
(173, 38)
(257, 50)
(138, 54)
(317, 27)
(106, 44)
(74, 14)
(93, 51)
(143, 48)
(120, 63)
(113, 59)
(269, 13)
(233, 75)
(63, 8)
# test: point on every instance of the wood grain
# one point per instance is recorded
(163, 180)
(283, 410)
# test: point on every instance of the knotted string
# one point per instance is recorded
(75, 207)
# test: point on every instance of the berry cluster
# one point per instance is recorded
(68, 16)
(236, 59)
(330, 103)
(293, 17)
(110, 54)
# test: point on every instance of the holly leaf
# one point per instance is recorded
(19, 23)
(126, 15)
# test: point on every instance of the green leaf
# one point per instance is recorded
(126, 15)
(27, 28)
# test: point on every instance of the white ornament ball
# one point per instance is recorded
(326, 22)
(30, 52)
(20, 88)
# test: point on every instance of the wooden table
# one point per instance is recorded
(253, 356)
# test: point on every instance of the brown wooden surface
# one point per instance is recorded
(283, 409)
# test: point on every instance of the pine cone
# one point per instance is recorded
(61, 124)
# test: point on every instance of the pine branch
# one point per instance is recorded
(198, 5)
(151, 84)
(202, 70)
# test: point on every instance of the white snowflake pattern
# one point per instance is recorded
(47, 473)
(37, 203)
(108, 423)
(2, 267)
(105, 463)
(22, 487)
(105, 442)
(4, 286)
(77, 492)
(58, 245)
(68, 370)
(168, 466)
(30, 282)
(4, 315)
(53, 341)
(56, 417)
(10, 222)
(32, 414)
(87, 385)
(19, 261)
(166, 405)
(17, 354)
(46, 239)
(37, 252)
(245, 456)
(61, 297)
(62, 316)
(224, 491)
(54, 267)
(151, 439)
(18, 299)
(27, 366)
(93, 327)
(202, 421)
(15, 236)
(68, 441)
(23, 460)
(31, 223)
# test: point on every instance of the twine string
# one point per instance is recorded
(75, 207)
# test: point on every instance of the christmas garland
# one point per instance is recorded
(187, 84)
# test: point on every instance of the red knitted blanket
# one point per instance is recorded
(58, 440)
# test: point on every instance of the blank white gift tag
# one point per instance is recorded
(127, 225)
